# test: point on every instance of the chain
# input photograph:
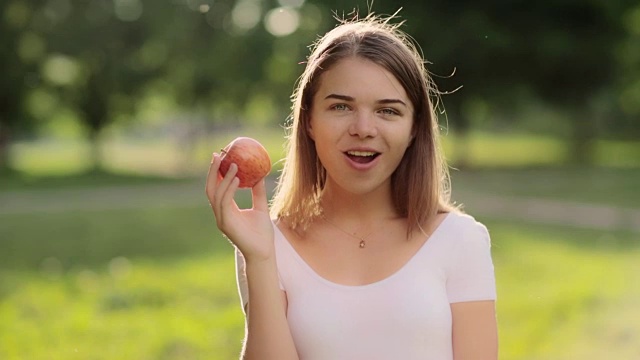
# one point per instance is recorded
(362, 239)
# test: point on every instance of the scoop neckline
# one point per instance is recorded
(435, 234)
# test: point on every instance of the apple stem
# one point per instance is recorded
(223, 151)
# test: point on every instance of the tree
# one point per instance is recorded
(18, 76)
(107, 45)
(561, 52)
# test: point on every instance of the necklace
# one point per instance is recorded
(362, 239)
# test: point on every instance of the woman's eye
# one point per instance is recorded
(340, 107)
(389, 111)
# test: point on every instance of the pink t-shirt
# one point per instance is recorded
(404, 316)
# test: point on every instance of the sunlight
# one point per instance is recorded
(246, 14)
(282, 21)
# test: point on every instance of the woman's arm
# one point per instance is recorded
(251, 231)
(267, 331)
(475, 330)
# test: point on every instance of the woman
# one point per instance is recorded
(361, 254)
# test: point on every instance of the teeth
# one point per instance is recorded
(361, 153)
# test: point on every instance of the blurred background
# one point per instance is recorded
(110, 110)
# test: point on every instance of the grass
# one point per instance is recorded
(598, 185)
(161, 156)
(89, 238)
(187, 309)
(556, 286)
(84, 179)
(150, 283)
(126, 309)
(158, 283)
(506, 164)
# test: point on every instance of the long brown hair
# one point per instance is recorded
(420, 184)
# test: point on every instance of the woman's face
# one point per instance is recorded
(361, 121)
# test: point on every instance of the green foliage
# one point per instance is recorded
(99, 62)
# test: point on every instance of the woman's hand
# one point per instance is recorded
(251, 230)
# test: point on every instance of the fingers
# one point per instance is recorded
(259, 196)
(212, 177)
(217, 187)
(223, 185)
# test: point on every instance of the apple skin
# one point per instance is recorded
(251, 158)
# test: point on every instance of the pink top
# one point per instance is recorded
(404, 316)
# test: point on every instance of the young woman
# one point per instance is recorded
(361, 254)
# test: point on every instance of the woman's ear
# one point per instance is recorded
(412, 137)
(310, 131)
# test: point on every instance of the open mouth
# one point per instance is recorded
(362, 157)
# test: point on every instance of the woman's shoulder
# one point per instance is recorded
(463, 226)
(463, 218)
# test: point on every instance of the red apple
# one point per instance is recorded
(251, 158)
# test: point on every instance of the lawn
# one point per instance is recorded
(158, 283)
(506, 164)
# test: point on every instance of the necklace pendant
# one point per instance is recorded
(362, 244)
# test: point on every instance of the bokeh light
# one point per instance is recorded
(41, 103)
(57, 10)
(61, 70)
(246, 14)
(16, 14)
(196, 5)
(215, 17)
(291, 3)
(632, 21)
(282, 21)
(128, 10)
(31, 47)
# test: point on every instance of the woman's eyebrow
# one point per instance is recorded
(391, 101)
(340, 97)
(351, 98)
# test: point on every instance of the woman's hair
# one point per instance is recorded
(420, 184)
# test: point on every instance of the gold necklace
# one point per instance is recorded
(362, 239)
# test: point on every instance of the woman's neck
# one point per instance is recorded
(364, 208)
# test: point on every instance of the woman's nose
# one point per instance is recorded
(363, 125)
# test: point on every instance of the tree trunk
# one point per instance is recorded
(95, 151)
(4, 148)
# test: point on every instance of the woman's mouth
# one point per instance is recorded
(362, 157)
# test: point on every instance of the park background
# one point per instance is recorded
(110, 110)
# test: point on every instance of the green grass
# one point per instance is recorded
(482, 149)
(496, 149)
(599, 185)
(151, 283)
(127, 309)
(162, 155)
(158, 283)
(84, 179)
(88, 238)
(563, 292)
